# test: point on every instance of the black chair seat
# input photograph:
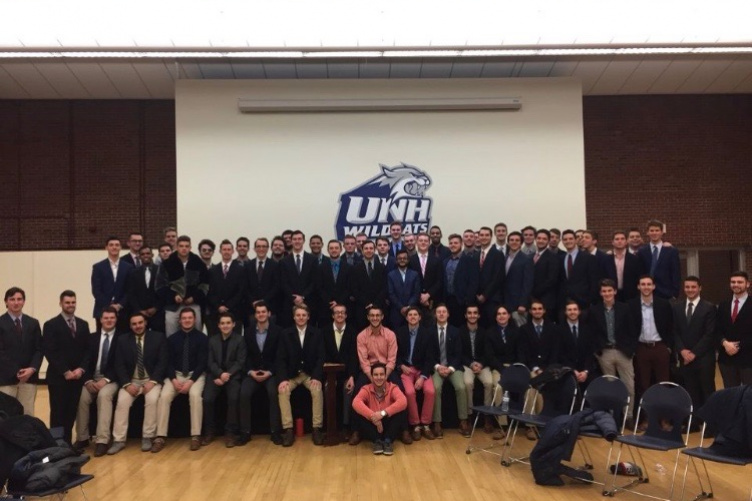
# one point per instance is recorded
(75, 482)
(652, 443)
(590, 434)
(707, 454)
(532, 419)
(493, 410)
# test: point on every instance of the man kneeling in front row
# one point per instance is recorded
(381, 411)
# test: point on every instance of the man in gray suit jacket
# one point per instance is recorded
(694, 342)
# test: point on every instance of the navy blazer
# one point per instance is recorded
(155, 357)
(292, 359)
(491, 275)
(333, 290)
(740, 330)
(578, 354)
(468, 357)
(198, 353)
(19, 352)
(104, 288)
(391, 262)
(453, 345)
(501, 351)
(697, 335)
(367, 290)
(667, 274)
(425, 351)
(139, 296)
(633, 270)
(625, 340)
(546, 274)
(519, 282)
(402, 294)
(582, 286)
(347, 353)
(540, 352)
(229, 291)
(268, 289)
(266, 359)
(433, 281)
(64, 352)
(465, 279)
(301, 284)
(662, 314)
(89, 363)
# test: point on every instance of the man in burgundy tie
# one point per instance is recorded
(228, 283)
(65, 344)
(734, 333)
(20, 351)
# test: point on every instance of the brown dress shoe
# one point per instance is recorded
(406, 438)
(195, 443)
(465, 430)
(158, 444)
(288, 438)
(416, 434)
(354, 438)
(208, 438)
(531, 434)
(437, 431)
(230, 441)
(499, 434)
(427, 433)
(488, 427)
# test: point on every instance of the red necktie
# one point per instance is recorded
(735, 311)
(536, 258)
(482, 258)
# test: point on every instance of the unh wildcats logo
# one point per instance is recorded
(397, 194)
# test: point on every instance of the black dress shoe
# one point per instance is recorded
(318, 436)
(288, 438)
(276, 438)
(243, 439)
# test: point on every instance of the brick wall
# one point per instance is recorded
(74, 172)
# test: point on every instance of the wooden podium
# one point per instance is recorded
(332, 434)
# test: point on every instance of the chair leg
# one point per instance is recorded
(508, 445)
(469, 448)
(585, 451)
(608, 463)
(612, 491)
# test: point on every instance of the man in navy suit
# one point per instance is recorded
(395, 231)
(141, 292)
(518, 284)
(367, 285)
(299, 276)
(262, 342)
(589, 244)
(734, 333)
(579, 278)
(334, 282)
(547, 268)
(624, 268)
(661, 262)
(228, 281)
(108, 280)
(20, 351)
(448, 367)
(460, 280)
(491, 263)
(133, 256)
(64, 343)
(300, 361)
(263, 278)
(383, 255)
(430, 269)
(404, 290)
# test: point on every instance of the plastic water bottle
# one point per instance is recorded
(505, 402)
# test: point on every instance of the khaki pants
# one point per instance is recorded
(612, 361)
(104, 398)
(195, 401)
(25, 393)
(125, 400)
(458, 382)
(486, 378)
(317, 398)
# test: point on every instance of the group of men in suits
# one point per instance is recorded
(461, 312)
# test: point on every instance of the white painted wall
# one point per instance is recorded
(258, 174)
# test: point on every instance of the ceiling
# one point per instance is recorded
(89, 49)
(155, 79)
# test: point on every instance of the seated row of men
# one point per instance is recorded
(638, 341)
(383, 272)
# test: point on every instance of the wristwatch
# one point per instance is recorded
(383, 414)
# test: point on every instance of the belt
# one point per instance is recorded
(651, 344)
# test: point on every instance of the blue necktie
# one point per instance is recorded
(105, 351)
(654, 262)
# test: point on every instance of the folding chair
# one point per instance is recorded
(607, 394)
(667, 406)
(708, 454)
(516, 380)
(59, 493)
(559, 399)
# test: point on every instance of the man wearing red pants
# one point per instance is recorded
(416, 357)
